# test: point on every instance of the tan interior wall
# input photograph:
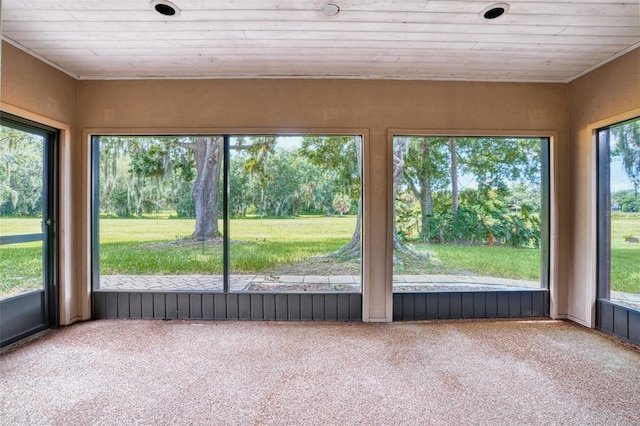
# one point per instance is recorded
(34, 86)
(285, 105)
(34, 90)
(373, 107)
(603, 97)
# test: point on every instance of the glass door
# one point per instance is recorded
(27, 224)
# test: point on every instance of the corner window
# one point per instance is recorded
(619, 213)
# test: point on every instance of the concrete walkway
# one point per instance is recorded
(305, 282)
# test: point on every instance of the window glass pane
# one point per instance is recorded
(624, 187)
(295, 217)
(160, 212)
(293, 203)
(468, 213)
(21, 198)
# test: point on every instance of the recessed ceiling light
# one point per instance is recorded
(330, 9)
(165, 7)
(495, 10)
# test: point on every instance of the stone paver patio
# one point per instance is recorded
(321, 283)
(630, 299)
(241, 283)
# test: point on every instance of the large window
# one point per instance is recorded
(227, 213)
(619, 213)
(470, 213)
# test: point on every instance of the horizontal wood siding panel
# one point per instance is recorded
(515, 305)
(502, 306)
(408, 307)
(331, 307)
(269, 307)
(244, 306)
(420, 307)
(459, 305)
(123, 306)
(455, 305)
(538, 305)
(220, 306)
(490, 305)
(634, 327)
(208, 307)
(618, 320)
(444, 305)
(282, 307)
(344, 302)
(99, 305)
(355, 307)
(318, 307)
(604, 316)
(184, 305)
(159, 306)
(111, 306)
(526, 305)
(400, 39)
(397, 307)
(432, 305)
(171, 305)
(146, 300)
(306, 307)
(135, 305)
(195, 306)
(467, 305)
(479, 306)
(257, 307)
(294, 307)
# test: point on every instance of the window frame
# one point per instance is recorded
(94, 136)
(545, 187)
(603, 212)
(498, 304)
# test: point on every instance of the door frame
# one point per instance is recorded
(23, 307)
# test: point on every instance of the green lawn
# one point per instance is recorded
(161, 246)
(20, 268)
(625, 256)
(20, 264)
(134, 246)
(493, 261)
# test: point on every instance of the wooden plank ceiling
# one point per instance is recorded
(537, 41)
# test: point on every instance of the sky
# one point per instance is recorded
(619, 180)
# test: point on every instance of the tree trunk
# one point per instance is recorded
(399, 151)
(353, 248)
(426, 207)
(208, 155)
(424, 194)
(454, 176)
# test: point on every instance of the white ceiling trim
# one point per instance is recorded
(43, 59)
(606, 61)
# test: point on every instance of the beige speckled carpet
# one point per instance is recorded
(125, 372)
